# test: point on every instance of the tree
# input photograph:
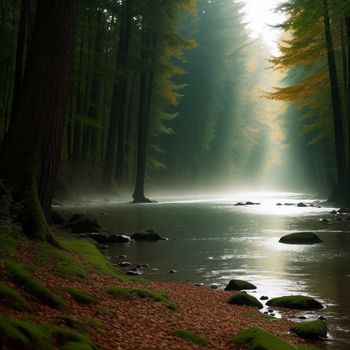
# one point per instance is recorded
(30, 157)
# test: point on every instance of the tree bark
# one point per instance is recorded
(30, 158)
(341, 190)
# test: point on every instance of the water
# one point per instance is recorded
(217, 241)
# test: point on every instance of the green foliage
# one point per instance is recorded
(142, 293)
(190, 337)
(80, 296)
(35, 287)
(12, 298)
(65, 264)
(299, 302)
(18, 334)
(310, 330)
(241, 298)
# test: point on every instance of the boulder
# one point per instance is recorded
(310, 330)
(300, 238)
(239, 204)
(244, 299)
(301, 205)
(82, 223)
(264, 297)
(298, 302)
(334, 212)
(344, 210)
(146, 236)
(117, 239)
(239, 285)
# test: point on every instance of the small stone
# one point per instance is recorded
(154, 269)
(134, 273)
(172, 271)
(334, 212)
(214, 286)
(124, 263)
(279, 204)
(199, 284)
(302, 317)
(322, 318)
(266, 313)
(272, 314)
(264, 297)
(142, 266)
(122, 256)
(301, 205)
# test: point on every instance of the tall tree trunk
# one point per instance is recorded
(341, 189)
(145, 96)
(95, 88)
(21, 42)
(118, 97)
(30, 158)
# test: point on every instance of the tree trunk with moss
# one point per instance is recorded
(29, 160)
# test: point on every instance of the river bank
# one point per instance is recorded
(73, 298)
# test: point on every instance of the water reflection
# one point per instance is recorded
(217, 241)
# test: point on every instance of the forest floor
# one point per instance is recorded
(74, 299)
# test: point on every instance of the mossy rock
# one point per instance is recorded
(146, 236)
(190, 337)
(18, 334)
(310, 330)
(82, 223)
(80, 296)
(256, 338)
(299, 302)
(239, 285)
(12, 298)
(142, 293)
(70, 340)
(21, 277)
(73, 323)
(300, 238)
(241, 298)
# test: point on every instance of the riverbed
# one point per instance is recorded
(211, 240)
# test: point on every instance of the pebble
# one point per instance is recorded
(264, 297)
(122, 256)
(172, 271)
(302, 317)
(322, 318)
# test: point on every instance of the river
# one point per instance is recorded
(212, 241)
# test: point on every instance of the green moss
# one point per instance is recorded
(12, 298)
(310, 330)
(190, 337)
(72, 340)
(241, 298)
(142, 293)
(239, 285)
(299, 302)
(73, 323)
(65, 264)
(34, 286)
(98, 261)
(10, 233)
(18, 334)
(80, 296)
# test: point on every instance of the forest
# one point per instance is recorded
(108, 108)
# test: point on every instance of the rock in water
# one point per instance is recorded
(239, 285)
(298, 302)
(146, 236)
(300, 238)
(301, 205)
(310, 330)
(244, 299)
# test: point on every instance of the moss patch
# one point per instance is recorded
(310, 330)
(239, 285)
(73, 341)
(34, 286)
(256, 338)
(89, 251)
(65, 264)
(73, 323)
(244, 299)
(18, 334)
(190, 337)
(80, 296)
(12, 298)
(300, 238)
(299, 302)
(142, 293)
